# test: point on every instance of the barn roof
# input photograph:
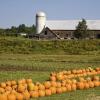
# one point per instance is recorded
(71, 24)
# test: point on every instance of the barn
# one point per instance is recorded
(61, 29)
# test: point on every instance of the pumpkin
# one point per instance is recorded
(96, 78)
(91, 84)
(21, 88)
(60, 77)
(53, 84)
(35, 94)
(53, 90)
(41, 87)
(58, 84)
(8, 83)
(26, 95)
(30, 86)
(64, 89)
(59, 90)
(80, 85)
(13, 83)
(73, 87)
(52, 78)
(86, 85)
(96, 83)
(29, 80)
(8, 88)
(47, 84)
(2, 90)
(35, 88)
(3, 97)
(11, 96)
(19, 96)
(3, 84)
(68, 86)
(41, 93)
(48, 92)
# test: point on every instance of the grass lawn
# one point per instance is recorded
(38, 67)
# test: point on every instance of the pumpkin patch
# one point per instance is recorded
(59, 82)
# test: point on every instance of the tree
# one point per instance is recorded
(13, 29)
(81, 31)
(21, 28)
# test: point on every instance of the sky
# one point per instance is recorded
(16, 12)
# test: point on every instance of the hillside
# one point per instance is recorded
(28, 46)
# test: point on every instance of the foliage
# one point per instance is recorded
(81, 31)
(27, 46)
(14, 31)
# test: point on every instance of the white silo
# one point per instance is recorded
(40, 21)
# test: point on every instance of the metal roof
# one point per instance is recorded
(41, 14)
(71, 24)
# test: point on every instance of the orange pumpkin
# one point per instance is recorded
(19, 96)
(3, 84)
(68, 86)
(21, 88)
(41, 93)
(13, 83)
(53, 84)
(35, 94)
(8, 83)
(59, 90)
(47, 84)
(3, 97)
(58, 84)
(41, 87)
(52, 78)
(64, 89)
(91, 84)
(53, 90)
(96, 83)
(86, 85)
(26, 95)
(11, 96)
(48, 92)
(73, 87)
(80, 85)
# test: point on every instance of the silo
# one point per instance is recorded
(40, 21)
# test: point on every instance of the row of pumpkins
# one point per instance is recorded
(25, 89)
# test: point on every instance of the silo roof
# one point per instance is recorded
(40, 14)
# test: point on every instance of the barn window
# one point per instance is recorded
(98, 36)
(45, 33)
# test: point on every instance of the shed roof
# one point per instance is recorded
(71, 24)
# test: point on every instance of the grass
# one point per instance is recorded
(38, 67)
(49, 63)
(20, 45)
(24, 58)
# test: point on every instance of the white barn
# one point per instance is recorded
(60, 29)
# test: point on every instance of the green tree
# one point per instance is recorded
(21, 28)
(13, 29)
(81, 31)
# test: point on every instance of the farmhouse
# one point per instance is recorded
(61, 29)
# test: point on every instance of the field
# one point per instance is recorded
(38, 67)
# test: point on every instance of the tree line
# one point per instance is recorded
(15, 31)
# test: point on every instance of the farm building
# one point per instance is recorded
(61, 29)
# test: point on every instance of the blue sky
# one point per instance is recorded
(15, 12)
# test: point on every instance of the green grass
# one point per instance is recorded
(20, 45)
(49, 63)
(38, 67)
(24, 58)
